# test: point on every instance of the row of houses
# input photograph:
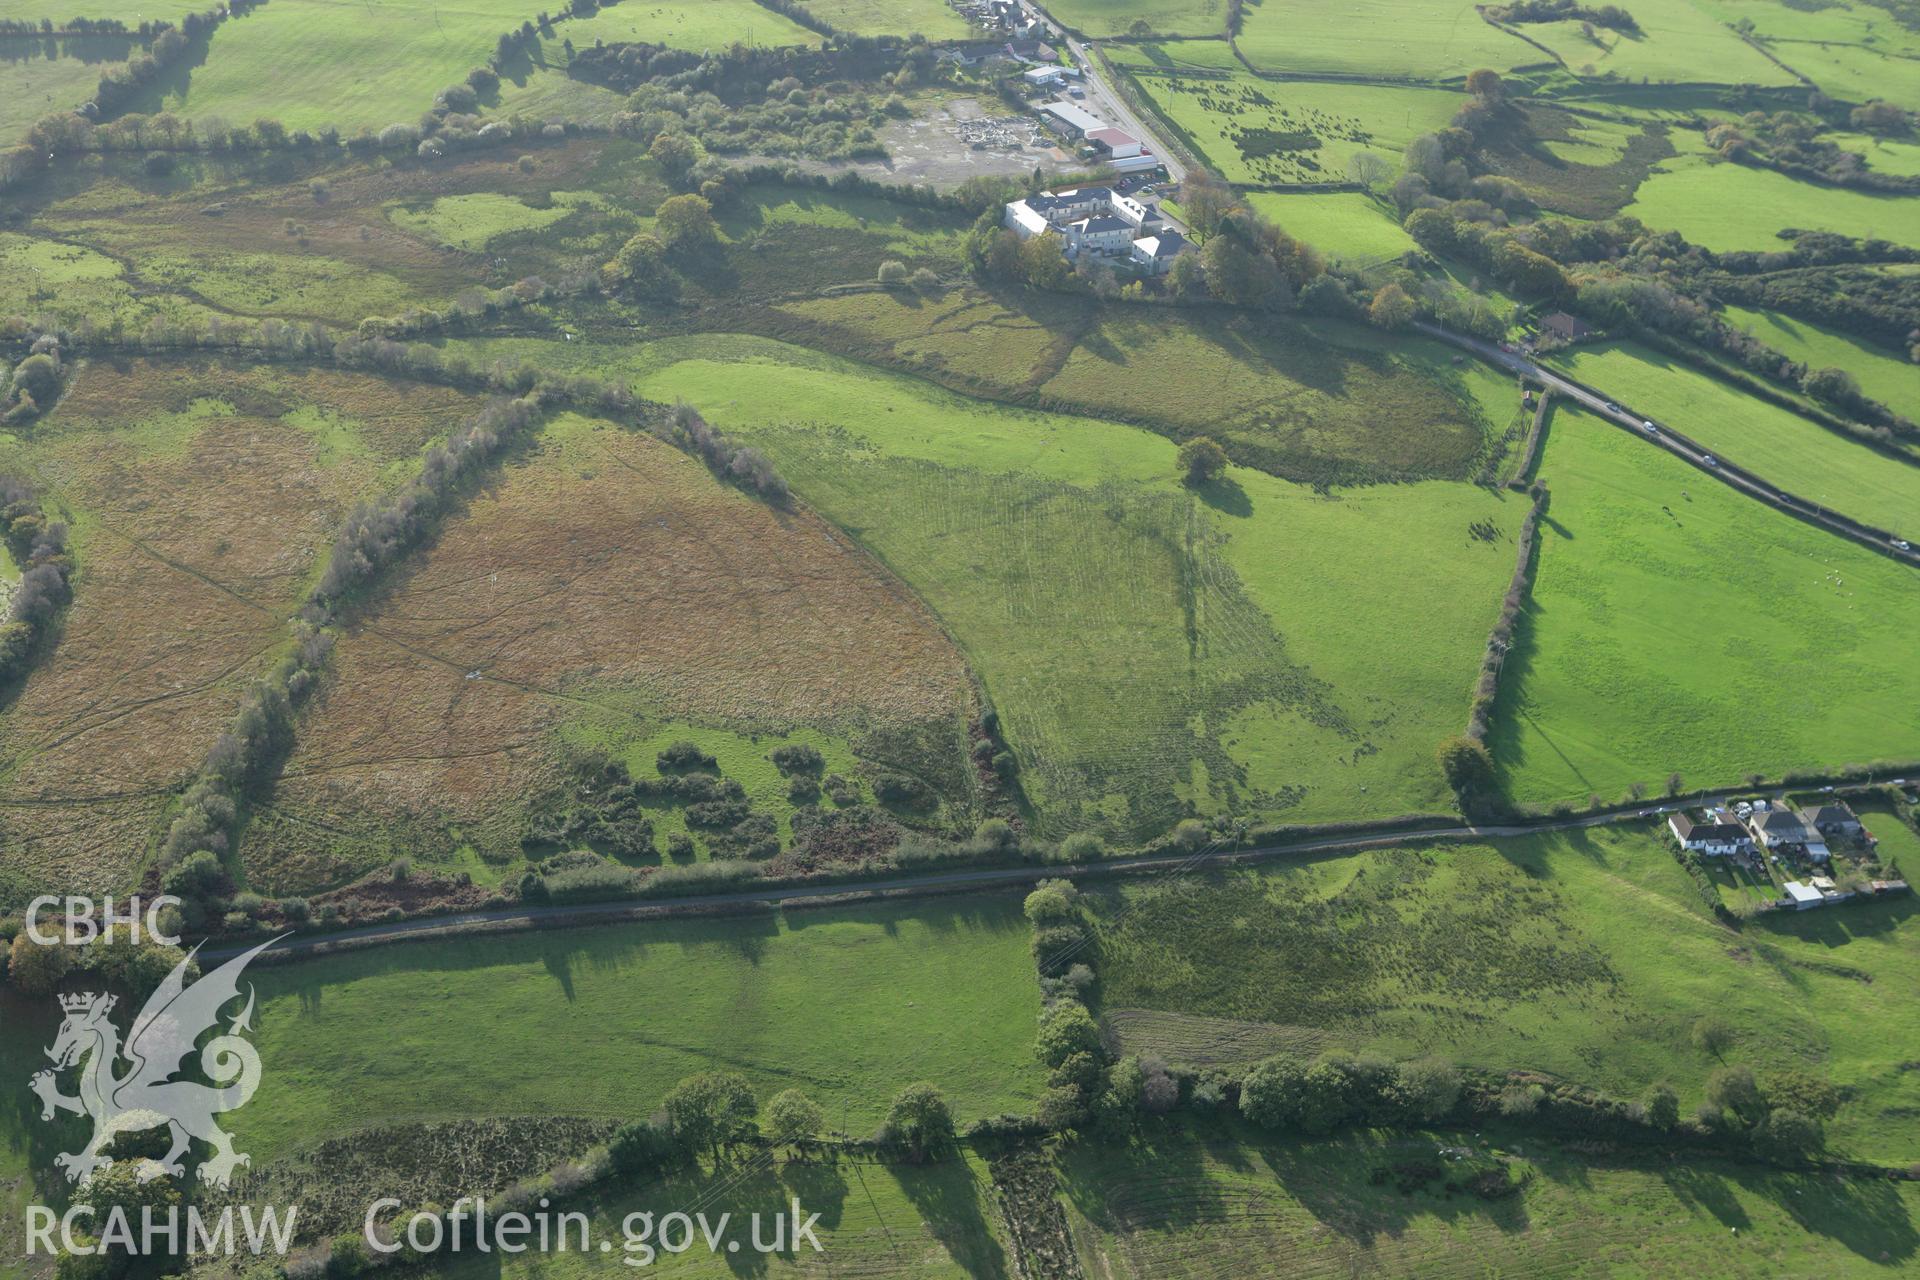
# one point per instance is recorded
(1763, 829)
(1772, 827)
(1101, 222)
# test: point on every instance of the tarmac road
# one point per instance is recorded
(1105, 101)
(1666, 437)
(514, 919)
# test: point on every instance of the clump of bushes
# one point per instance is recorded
(682, 755)
(747, 467)
(797, 758)
(605, 810)
(378, 533)
(35, 383)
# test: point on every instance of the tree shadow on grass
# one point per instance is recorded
(1362, 1216)
(1156, 1182)
(952, 1204)
(1869, 1218)
(1224, 494)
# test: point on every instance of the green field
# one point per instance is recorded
(44, 78)
(1883, 375)
(1259, 131)
(316, 63)
(935, 19)
(1883, 155)
(603, 1021)
(131, 12)
(1855, 74)
(1319, 404)
(1800, 456)
(1726, 207)
(1676, 625)
(1226, 1203)
(699, 25)
(471, 221)
(1167, 17)
(1586, 956)
(1676, 44)
(1147, 648)
(1851, 23)
(1419, 39)
(1341, 224)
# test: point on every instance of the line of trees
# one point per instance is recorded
(745, 466)
(123, 84)
(378, 533)
(1791, 143)
(1500, 639)
(1611, 16)
(437, 133)
(39, 547)
(801, 16)
(375, 536)
(26, 27)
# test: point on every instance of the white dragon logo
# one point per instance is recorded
(147, 1096)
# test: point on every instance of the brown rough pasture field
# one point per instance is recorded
(198, 522)
(606, 583)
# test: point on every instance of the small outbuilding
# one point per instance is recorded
(1802, 896)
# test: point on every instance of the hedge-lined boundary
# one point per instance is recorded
(1500, 639)
(1530, 452)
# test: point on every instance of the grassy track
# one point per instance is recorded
(1585, 955)
(1677, 625)
(1229, 1204)
(1799, 456)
